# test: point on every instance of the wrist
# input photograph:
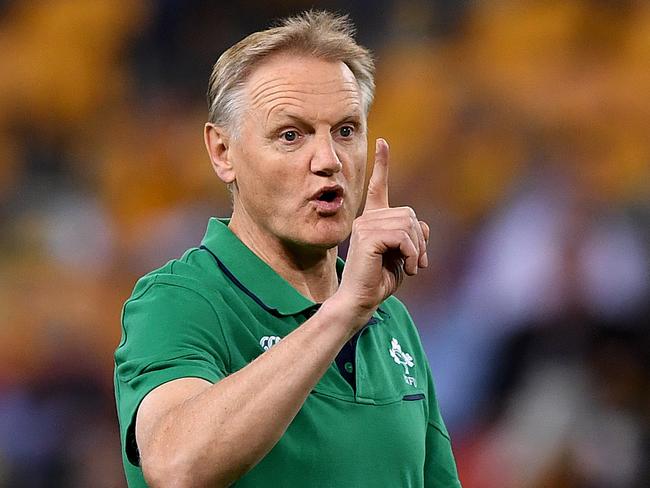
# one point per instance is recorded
(340, 309)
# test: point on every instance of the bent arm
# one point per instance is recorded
(193, 433)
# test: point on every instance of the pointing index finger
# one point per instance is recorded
(378, 186)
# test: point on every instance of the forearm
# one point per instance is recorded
(216, 436)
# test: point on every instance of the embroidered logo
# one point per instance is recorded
(267, 342)
(403, 358)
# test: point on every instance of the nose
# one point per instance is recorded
(325, 161)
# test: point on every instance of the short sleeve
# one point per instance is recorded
(169, 331)
(439, 465)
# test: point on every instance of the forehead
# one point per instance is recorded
(285, 82)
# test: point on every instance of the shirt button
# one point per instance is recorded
(348, 367)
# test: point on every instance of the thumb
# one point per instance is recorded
(378, 186)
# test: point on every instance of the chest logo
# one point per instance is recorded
(403, 358)
(267, 342)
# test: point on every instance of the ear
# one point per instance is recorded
(217, 142)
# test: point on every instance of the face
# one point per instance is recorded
(299, 157)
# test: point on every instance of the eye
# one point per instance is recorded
(289, 135)
(346, 131)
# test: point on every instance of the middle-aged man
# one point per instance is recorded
(257, 359)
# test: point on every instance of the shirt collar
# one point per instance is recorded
(253, 275)
(257, 278)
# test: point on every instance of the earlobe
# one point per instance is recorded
(217, 142)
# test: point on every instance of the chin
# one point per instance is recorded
(326, 244)
(327, 235)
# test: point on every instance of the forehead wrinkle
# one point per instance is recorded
(284, 80)
(295, 94)
(288, 85)
(348, 97)
(284, 103)
(281, 100)
(280, 107)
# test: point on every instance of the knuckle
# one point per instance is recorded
(360, 223)
(406, 240)
(363, 231)
(408, 211)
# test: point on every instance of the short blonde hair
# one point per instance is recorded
(319, 34)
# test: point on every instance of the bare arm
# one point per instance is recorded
(192, 433)
(216, 433)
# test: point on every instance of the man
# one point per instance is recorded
(256, 359)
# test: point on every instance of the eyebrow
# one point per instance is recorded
(277, 118)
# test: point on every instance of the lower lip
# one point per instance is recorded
(328, 208)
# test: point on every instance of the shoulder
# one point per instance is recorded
(395, 310)
(177, 297)
(195, 270)
(173, 311)
(394, 304)
(195, 276)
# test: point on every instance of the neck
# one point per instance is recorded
(311, 271)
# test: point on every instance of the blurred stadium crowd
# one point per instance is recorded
(519, 129)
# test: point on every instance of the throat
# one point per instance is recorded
(311, 271)
(315, 280)
(318, 289)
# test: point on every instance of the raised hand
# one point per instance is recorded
(385, 244)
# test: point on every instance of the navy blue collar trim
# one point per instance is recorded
(240, 285)
(257, 300)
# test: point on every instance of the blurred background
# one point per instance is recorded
(520, 130)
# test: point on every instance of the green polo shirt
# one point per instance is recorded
(218, 307)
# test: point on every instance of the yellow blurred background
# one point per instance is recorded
(519, 129)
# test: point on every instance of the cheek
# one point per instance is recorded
(261, 175)
(357, 174)
(274, 187)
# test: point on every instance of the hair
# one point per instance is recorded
(319, 34)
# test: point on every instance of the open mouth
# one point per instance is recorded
(329, 200)
(328, 196)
